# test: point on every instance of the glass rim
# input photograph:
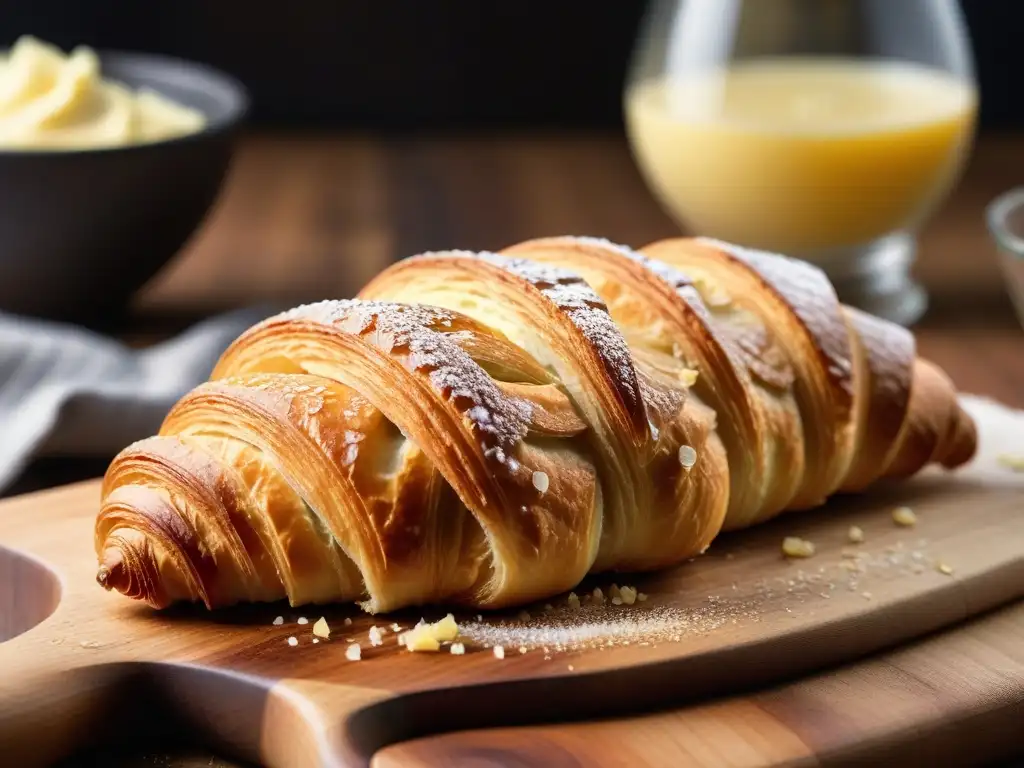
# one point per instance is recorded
(997, 213)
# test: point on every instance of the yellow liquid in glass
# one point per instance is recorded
(802, 154)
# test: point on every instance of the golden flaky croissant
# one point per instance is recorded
(485, 430)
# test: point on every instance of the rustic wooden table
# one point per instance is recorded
(314, 217)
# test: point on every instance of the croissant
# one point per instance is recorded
(487, 429)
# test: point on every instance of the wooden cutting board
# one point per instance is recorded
(955, 698)
(80, 666)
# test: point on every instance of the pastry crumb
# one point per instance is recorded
(428, 637)
(347, 622)
(354, 652)
(419, 640)
(598, 595)
(321, 629)
(855, 535)
(574, 601)
(904, 516)
(375, 636)
(866, 595)
(303, 620)
(278, 621)
(316, 640)
(499, 652)
(944, 568)
(293, 641)
(571, 667)
(641, 596)
(522, 649)
(628, 595)
(794, 546)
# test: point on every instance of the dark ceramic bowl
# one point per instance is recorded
(82, 230)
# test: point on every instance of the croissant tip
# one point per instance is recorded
(110, 569)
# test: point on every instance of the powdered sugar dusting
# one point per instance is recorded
(810, 295)
(427, 339)
(588, 313)
(744, 345)
(678, 281)
(598, 626)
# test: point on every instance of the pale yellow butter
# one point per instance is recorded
(53, 100)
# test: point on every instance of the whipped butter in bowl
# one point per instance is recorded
(50, 100)
(109, 162)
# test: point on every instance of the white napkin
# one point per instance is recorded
(65, 390)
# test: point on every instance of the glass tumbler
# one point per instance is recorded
(828, 130)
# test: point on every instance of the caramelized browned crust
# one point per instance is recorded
(869, 408)
(407, 458)
(486, 429)
(663, 316)
(787, 312)
(656, 511)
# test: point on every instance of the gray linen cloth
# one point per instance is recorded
(67, 391)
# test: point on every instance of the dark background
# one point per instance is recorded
(433, 64)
